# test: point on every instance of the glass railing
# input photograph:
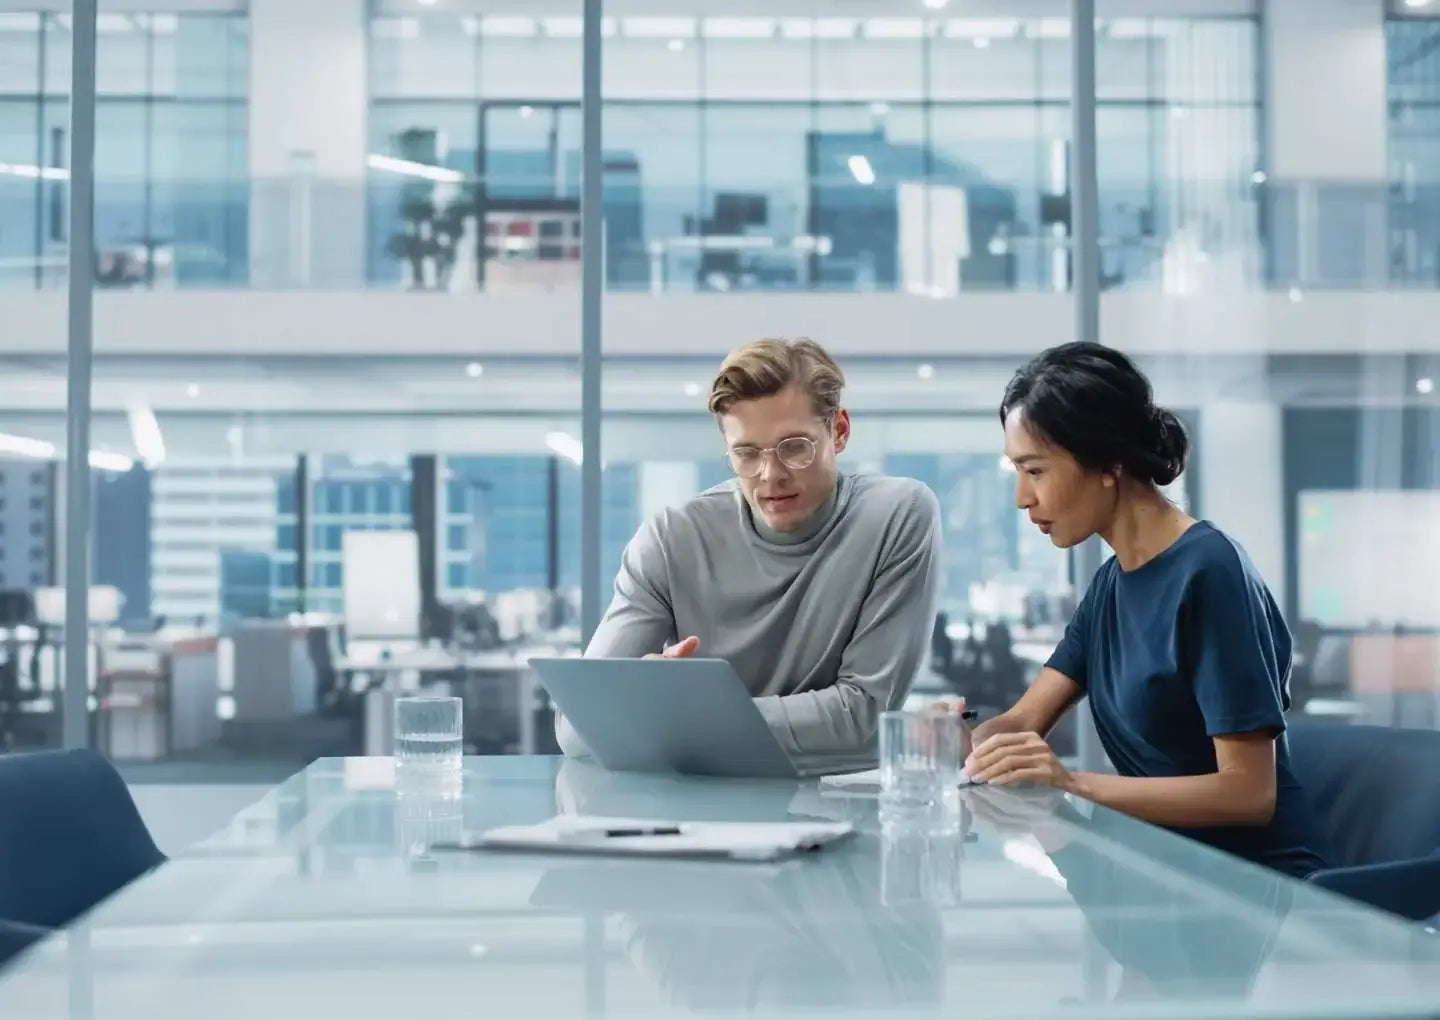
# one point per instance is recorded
(522, 235)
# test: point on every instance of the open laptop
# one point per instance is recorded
(674, 715)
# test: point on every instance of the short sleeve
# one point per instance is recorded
(1238, 650)
(1071, 657)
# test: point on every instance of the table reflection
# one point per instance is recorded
(1171, 941)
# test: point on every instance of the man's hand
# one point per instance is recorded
(1008, 758)
(683, 650)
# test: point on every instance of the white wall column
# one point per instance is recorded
(1242, 480)
(308, 105)
(666, 484)
(1325, 89)
(1326, 120)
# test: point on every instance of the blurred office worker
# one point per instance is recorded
(1178, 643)
(818, 587)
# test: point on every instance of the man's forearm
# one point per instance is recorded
(836, 720)
(1182, 802)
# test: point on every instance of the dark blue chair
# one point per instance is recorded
(1374, 790)
(70, 836)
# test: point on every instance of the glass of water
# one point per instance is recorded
(920, 761)
(428, 745)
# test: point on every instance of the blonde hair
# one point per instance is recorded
(767, 367)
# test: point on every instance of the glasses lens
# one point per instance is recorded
(796, 453)
(746, 463)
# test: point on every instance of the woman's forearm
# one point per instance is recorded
(1005, 722)
(1182, 802)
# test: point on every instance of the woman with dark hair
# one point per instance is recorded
(1178, 643)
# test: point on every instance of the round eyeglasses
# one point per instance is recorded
(796, 453)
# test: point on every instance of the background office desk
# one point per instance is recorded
(311, 904)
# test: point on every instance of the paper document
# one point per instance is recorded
(863, 782)
(646, 837)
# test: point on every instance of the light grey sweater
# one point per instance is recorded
(826, 626)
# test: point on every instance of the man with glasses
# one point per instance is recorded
(818, 587)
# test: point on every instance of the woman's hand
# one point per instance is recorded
(956, 707)
(1008, 758)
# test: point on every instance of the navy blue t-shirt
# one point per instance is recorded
(1187, 647)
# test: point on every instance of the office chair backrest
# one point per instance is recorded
(1373, 788)
(70, 836)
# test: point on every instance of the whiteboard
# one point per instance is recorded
(381, 586)
(1370, 558)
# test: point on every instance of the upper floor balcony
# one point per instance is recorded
(865, 256)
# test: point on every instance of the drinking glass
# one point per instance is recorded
(428, 746)
(920, 761)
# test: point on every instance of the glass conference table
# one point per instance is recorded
(322, 900)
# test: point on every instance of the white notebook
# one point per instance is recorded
(861, 783)
(757, 841)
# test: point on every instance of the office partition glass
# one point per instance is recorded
(171, 156)
(847, 153)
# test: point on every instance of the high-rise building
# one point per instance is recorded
(26, 551)
(201, 509)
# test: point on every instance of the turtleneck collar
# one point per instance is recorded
(806, 531)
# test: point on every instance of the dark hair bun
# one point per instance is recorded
(1171, 447)
(1093, 402)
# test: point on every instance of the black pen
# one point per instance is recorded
(657, 830)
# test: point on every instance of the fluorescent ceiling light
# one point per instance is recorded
(658, 28)
(164, 24)
(14, 22)
(563, 28)
(39, 449)
(113, 24)
(49, 173)
(562, 444)
(834, 28)
(738, 28)
(1048, 28)
(508, 27)
(102, 461)
(1417, 5)
(818, 28)
(981, 28)
(145, 435)
(573, 28)
(861, 170)
(893, 28)
(936, 5)
(410, 168)
(24, 446)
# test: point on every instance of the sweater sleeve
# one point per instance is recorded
(885, 650)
